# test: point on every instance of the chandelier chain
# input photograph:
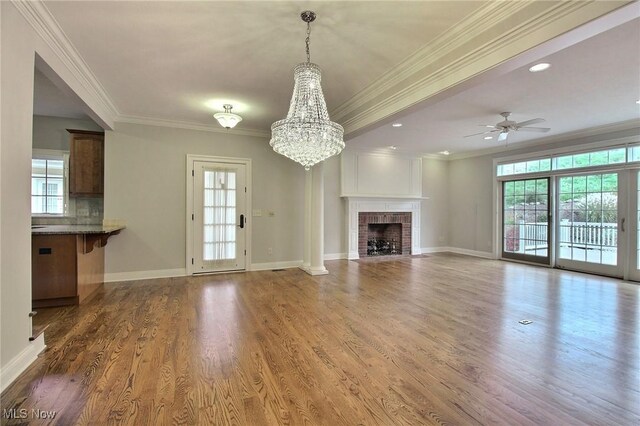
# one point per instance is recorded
(308, 40)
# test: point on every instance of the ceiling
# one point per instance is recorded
(180, 61)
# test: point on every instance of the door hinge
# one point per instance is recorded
(192, 218)
(192, 260)
(245, 189)
(245, 252)
(193, 173)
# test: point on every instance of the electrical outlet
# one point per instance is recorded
(269, 251)
(257, 213)
(82, 212)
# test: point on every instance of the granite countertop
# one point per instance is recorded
(74, 229)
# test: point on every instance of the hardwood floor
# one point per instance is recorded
(415, 340)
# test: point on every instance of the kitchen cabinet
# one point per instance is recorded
(67, 263)
(86, 163)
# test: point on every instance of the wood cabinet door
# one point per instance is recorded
(86, 164)
(53, 266)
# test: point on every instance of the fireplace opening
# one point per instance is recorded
(384, 233)
(384, 239)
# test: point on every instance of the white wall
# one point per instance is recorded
(19, 45)
(335, 239)
(145, 185)
(15, 212)
(434, 211)
(470, 203)
(51, 132)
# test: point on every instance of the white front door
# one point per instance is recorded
(219, 217)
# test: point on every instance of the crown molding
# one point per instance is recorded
(604, 131)
(42, 21)
(189, 125)
(495, 33)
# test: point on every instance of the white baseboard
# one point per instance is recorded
(335, 256)
(21, 362)
(475, 253)
(275, 265)
(427, 250)
(144, 275)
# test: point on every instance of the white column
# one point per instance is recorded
(306, 245)
(316, 222)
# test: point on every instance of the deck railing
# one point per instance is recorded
(529, 236)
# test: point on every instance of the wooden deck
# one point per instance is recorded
(414, 340)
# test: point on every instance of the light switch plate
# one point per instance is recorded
(257, 213)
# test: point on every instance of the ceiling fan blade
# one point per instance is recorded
(503, 136)
(483, 133)
(535, 129)
(534, 121)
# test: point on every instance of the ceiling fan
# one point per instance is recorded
(506, 126)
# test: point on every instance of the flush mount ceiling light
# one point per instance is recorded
(445, 152)
(486, 138)
(393, 147)
(397, 125)
(539, 67)
(227, 118)
(307, 135)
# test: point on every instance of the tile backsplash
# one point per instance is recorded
(82, 211)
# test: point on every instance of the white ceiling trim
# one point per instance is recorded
(428, 73)
(467, 29)
(43, 22)
(216, 128)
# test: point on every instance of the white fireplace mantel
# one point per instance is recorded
(375, 204)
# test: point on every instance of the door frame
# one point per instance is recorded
(191, 158)
(535, 260)
(620, 270)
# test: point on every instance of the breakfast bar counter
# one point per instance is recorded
(67, 262)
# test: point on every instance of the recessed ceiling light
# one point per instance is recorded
(397, 124)
(486, 138)
(539, 67)
(445, 152)
(393, 147)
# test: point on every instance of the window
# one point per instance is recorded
(48, 184)
(603, 157)
(588, 159)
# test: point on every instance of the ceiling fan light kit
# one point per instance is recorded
(307, 135)
(506, 126)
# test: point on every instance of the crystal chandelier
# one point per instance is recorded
(307, 135)
(227, 118)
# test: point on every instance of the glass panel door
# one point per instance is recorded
(219, 216)
(525, 220)
(588, 234)
(634, 227)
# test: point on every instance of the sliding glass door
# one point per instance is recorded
(525, 220)
(634, 226)
(590, 229)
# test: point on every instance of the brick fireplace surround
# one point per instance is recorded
(366, 218)
(386, 206)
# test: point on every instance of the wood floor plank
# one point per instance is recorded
(407, 340)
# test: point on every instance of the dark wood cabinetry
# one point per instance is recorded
(54, 274)
(66, 268)
(86, 163)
